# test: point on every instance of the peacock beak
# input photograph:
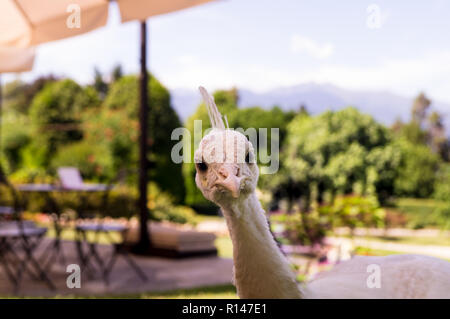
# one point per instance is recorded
(228, 179)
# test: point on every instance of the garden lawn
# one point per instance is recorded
(423, 213)
(438, 241)
(365, 251)
(224, 247)
(215, 292)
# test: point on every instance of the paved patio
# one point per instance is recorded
(164, 274)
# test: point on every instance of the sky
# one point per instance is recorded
(398, 46)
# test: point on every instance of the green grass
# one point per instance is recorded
(423, 212)
(208, 218)
(439, 241)
(224, 247)
(210, 292)
(214, 292)
(69, 234)
(365, 251)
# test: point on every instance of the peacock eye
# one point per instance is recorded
(249, 158)
(202, 166)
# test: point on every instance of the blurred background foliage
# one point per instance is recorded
(337, 168)
(339, 152)
(311, 226)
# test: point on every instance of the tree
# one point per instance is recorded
(420, 108)
(16, 134)
(19, 95)
(417, 170)
(93, 160)
(412, 132)
(99, 83)
(337, 153)
(436, 135)
(303, 109)
(55, 116)
(442, 186)
(424, 129)
(116, 73)
(121, 124)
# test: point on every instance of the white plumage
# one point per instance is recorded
(260, 269)
(402, 276)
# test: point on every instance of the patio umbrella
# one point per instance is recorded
(25, 23)
(14, 60)
(141, 10)
(29, 22)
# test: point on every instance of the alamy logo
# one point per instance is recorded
(74, 279)
(375, 18)
(374, 279)
(74, 19)
(182, 151)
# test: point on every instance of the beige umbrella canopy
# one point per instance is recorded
(143, 9)
(25, 23)
(16, 59)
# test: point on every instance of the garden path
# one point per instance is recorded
(164, 274)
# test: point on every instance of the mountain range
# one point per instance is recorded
(384, 106)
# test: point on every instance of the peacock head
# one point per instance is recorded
(225, 161)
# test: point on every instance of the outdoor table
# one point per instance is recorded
(44, 188)
(55, 250)
(6, 211)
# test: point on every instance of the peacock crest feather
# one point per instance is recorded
(215, 117)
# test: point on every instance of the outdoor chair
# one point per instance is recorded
(91, 220)
(18, 241)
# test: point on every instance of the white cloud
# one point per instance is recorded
(429, 72)
(190, 74)
(186, 59)
(301, 44)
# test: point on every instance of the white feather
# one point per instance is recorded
(214, 115)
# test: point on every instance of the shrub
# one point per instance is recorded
(417, 170)
(441, 216)
(337, 152)
(162, 207)
(309, 227)
(121, 203)
(122, 109)
(356, 211)
(116, 134)
(55, 115)
(16, 134)
(442, 186)
(93, 161)
(28, 175)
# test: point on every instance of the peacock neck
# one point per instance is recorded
(260, 269)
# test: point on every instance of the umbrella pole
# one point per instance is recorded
(144, 240)
(1, 114)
